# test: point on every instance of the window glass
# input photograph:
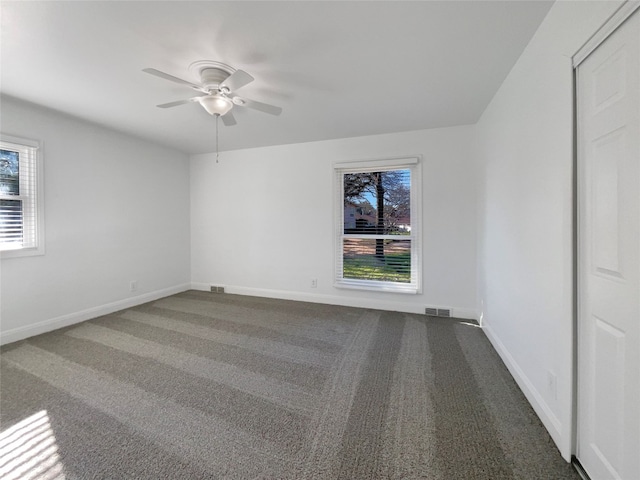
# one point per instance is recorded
(9, 172)
(377, 242)
(377, 204)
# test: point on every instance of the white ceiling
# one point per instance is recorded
(338, 69)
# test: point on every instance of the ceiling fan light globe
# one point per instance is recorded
(216, 104)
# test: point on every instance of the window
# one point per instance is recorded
(378, 232)
(20, 197)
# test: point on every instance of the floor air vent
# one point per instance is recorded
(216, 289)
(437, 312)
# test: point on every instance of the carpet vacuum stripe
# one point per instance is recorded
(410, 436)
(512, 414)
(309, 377)
(275, 325)
(279, 392)
(266, 347)
(454, 396)
(330, 423)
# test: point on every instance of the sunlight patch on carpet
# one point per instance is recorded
(28, 450)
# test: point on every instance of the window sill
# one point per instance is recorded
(373, 286)
(21, 252)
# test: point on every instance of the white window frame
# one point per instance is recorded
(31, 195)
(412, 163)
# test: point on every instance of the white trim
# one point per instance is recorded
(19, 141)
(376, 164)
(413, 163)
(362, 235)
(619, 16)
(34, 149)
(542, 409)
(375, 286)
(388, 305)
(21, 333)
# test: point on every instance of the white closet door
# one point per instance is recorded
(608, 83)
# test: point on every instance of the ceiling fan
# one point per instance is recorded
(218, 82)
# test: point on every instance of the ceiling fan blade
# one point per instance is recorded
(263, 107)
(228, 119)
(236, 80)
(178, 102)
(171, 78)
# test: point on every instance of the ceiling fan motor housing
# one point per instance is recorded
(213, 77)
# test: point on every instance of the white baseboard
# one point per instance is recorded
(542, 409)
(27, 331)
(389, 305)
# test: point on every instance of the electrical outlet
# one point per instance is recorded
(133, 285)
(314, 283)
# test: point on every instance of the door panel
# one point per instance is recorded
(608, 347)
(608, 83)
(606, 214)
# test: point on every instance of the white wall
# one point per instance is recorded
(263, 220)
(525, 227)
(116, 210)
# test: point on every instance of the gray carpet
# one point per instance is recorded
(206, 386)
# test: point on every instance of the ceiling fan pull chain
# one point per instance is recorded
(217, 118)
